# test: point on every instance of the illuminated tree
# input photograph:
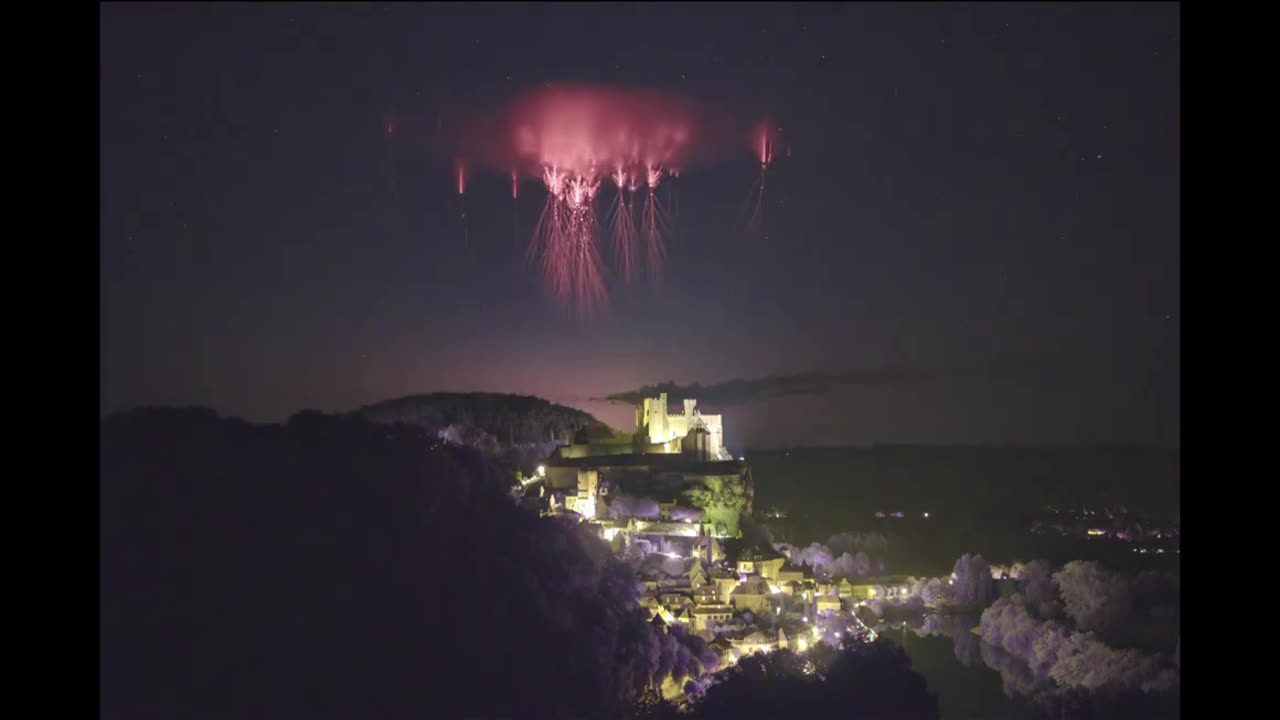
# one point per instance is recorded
(1094, 598)
(721, 502)
(972, 584)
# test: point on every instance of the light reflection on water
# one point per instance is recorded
(965, 692)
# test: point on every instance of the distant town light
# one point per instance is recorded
(926, 514)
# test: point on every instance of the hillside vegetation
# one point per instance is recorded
(493, 422)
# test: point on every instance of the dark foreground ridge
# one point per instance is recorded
(332, 567)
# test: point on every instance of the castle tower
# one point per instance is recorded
(656, 412)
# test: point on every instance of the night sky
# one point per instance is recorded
(976, 237)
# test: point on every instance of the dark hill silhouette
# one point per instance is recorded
(507, 418)
(337, 568)
(334, 567)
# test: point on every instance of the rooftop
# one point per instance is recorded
(752, 586)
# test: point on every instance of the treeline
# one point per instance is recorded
(507, 419)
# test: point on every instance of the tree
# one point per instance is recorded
(864, 681)
(721, 502)
(1038, 589)
(850, 566)
(1094, 598)
(972, 585)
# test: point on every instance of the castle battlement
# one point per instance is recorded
(655, 422)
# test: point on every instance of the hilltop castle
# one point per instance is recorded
(680, 433)
(679, 479)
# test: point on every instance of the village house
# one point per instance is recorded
(708, 594)
(705, 615)
(752, 594)
(788, 572)
(827, 603)
(764, 565)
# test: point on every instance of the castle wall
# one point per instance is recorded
(596, 450)
(653, 418)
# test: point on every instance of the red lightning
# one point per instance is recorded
(573, 140)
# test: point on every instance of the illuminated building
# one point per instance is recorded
(752, 594)
(827, 603)
(703, 493)
(756, 642)
(664, 432)
(708, 594)
(767, 566)
(725, 583)
(787, 572)
(705, 615)
(697, 575)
